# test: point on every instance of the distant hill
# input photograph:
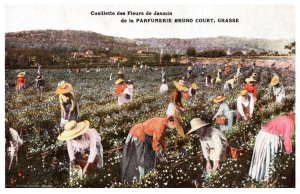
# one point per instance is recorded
(65, 40)
(70, 40)
(231, 44)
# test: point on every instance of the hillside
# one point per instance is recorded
(232, 44)
(69, 40)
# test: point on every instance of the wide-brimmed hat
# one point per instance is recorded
(120, 73)
(180, 86)
(119, 81)
(219, 99)
(254, 75)
(73, 129)
(243, 92)
(274, 81)
(194, 86)
(190, 68)
(64, 88)
(250, 79)
(226, 65)
(196, 123)
(219, 70)
(21, 74)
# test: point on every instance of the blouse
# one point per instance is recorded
(88, 141)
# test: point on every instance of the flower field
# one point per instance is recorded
(44, 162)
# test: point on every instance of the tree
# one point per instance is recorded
(238, 53)
(191, 52)
(291, 47)
(166, 58)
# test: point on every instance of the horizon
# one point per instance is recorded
(220, 36)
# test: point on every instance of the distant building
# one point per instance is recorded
(118, 58)
(89, 53)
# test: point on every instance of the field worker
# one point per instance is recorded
(129, 90)
(223, 113)
(226, 69)
(238, 71)
(40, 84)
(39, 69)
(120, 92)
(12, 144)
(84, 146)
(253, 66)
(245, 106)
(274, 137)
(110, 76)
(21, 81)
(213, 143)
(278, 89)
(189, 74)
(121, 75)
(134, 69)
(229, 84)
(68, 103)
(251, 87)
(163, 87)
(208, 81)
(181, 87)
(145, 142)
(163, 75)
(175, 109)
(219, 76)
(192, 90)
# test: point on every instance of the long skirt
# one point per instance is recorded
(137, 155)
(266, 147)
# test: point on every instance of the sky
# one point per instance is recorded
(255, 21)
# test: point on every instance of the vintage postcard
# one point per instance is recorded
(150, 95)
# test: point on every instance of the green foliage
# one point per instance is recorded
(44, 161)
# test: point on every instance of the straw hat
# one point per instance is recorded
(274, 81)
(254, 74)
(120, 73)
(119, 81)
(190, 68)
(194, 86)
(64, 88)
(21, 74)
(73, 129)
(226, 65)
(250, 79)
(196, 124)
(243, 92)
(219, 99)
(219, 70)
(180, 86)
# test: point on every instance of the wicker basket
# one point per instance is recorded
(221, 120)
(234, 153)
